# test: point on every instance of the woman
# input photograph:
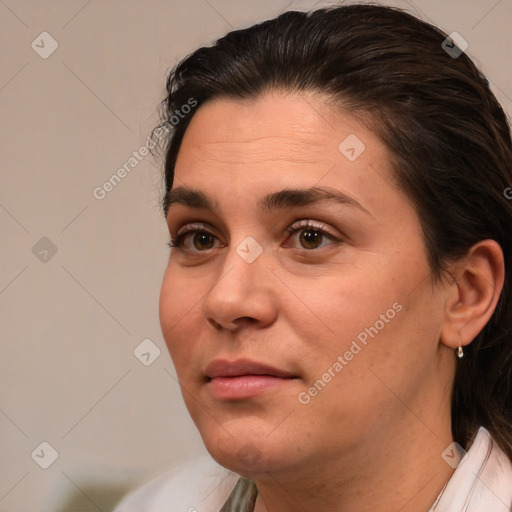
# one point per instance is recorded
(337, 300)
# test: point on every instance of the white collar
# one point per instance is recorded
(482, 481)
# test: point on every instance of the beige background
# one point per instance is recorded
(70, 323)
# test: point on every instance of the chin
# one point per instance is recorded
(246, 455)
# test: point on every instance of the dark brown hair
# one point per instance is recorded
(448, 136)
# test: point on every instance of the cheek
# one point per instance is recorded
(334, 311)
(180, 312)
(366, 314)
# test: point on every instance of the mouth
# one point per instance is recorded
(241, 367)
(240, 379)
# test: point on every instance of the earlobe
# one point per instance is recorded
(472, 299)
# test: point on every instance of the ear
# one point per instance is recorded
(473, 297)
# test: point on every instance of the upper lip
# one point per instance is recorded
(225, 368)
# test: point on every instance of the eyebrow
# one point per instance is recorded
(282, 199)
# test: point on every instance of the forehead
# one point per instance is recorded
(295, 127)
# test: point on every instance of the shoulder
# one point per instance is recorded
(196, 485)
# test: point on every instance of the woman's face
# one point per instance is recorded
(302, 255)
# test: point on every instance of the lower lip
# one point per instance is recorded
(245, 386)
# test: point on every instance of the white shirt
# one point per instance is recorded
(482, 482)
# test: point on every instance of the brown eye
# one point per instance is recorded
(310, 238)
(203, 241)
(194, 240)
(309, 235)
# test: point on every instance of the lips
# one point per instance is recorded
(244, 379)
(242, 367)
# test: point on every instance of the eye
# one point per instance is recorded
(312, 234)
(194, 238)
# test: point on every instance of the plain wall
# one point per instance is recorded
(71, 319)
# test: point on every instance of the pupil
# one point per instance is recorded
(310, 237)
(201, 240)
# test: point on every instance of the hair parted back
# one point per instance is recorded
(448, 136)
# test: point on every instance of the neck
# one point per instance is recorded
(396, 471)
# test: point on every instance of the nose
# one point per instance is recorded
(242, 294)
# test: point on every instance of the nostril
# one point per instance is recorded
(214, 323)
(232, 325)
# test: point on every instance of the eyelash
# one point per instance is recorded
(301, 225)
(193, 228)
(305, 224)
